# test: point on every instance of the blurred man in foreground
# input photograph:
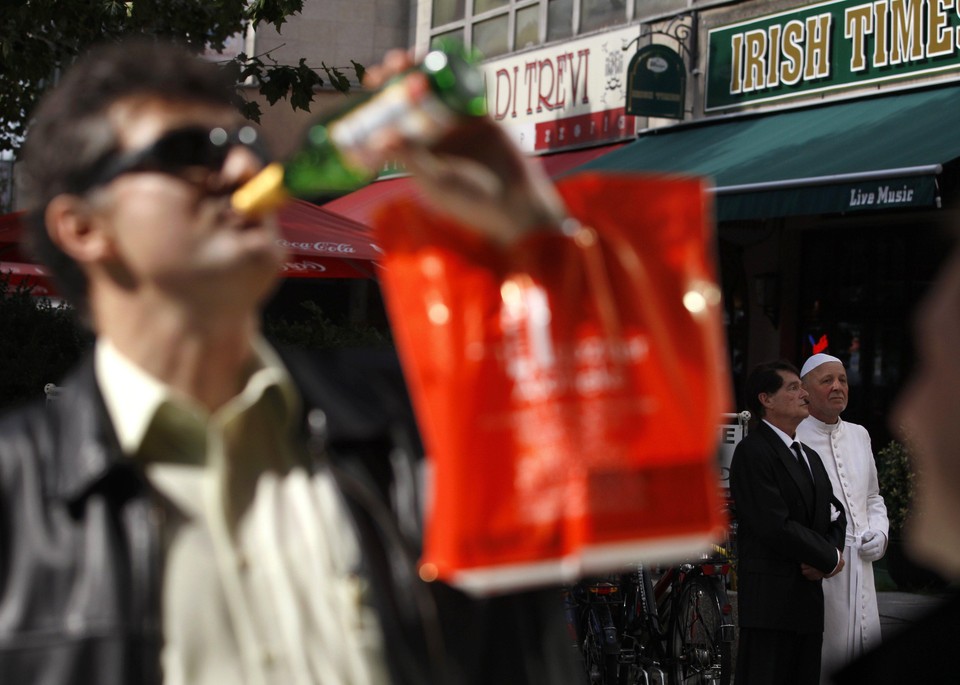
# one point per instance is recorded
(926, 417)
(194, 508)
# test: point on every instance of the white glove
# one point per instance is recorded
(873, 544)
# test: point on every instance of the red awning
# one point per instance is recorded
(321, 244)
(10, 237)
(310, 230)
(360, 205)
(28, 275)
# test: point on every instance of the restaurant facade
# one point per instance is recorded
(825, 130)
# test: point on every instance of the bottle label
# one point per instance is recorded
(392, 109)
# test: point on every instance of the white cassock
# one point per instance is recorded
(851, 617)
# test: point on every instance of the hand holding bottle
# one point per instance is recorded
(475, 173)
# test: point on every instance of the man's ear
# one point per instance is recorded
(72, 227)
(764, 399)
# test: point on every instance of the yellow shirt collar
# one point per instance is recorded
(133, 397)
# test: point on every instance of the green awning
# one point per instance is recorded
(867, 154)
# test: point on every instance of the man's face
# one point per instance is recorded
(787, 407)
(176, 236)
(926, 417)
(828, 391)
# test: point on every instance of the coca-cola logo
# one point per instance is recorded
(323, 247)
(304, 266)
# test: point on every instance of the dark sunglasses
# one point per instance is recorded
(176, 153)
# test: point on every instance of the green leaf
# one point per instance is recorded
(359, 70)
(251, 110)
(337, 79)
(38, 38)
(273, 11)
(277, 82)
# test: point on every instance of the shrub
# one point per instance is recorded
(897, 475)
(39, 342)
(316, 331)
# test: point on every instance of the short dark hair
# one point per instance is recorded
(765, 379)
(70, 132)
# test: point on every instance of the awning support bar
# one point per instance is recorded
(927, 170)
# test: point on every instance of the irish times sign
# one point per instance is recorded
(830, 46)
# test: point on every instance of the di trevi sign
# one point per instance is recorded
(828, 46)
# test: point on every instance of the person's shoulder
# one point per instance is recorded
(856, 429)
(806, 427)
(758, 436)
(752, 448)
(362, 391)
(33, 429)
(23, 430)
(20, 419)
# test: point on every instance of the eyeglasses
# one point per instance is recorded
(176, 153)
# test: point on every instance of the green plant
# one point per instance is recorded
(897, 475)
(316, 331)
(39, 342)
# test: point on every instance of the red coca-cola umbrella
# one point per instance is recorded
(321, 244)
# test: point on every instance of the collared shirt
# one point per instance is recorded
(262, 581)
(787, 440)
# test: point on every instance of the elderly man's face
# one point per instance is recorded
(928, 418)
(827, 385)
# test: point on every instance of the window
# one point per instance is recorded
(456, 35)
(481, 6)
(496, 27)
(446, 11)
(597, 14)
(527, 27)
(559, 19)
(491, 36)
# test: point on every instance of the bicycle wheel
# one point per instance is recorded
(601, 665)
(698, 654)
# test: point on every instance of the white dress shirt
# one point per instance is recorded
(261, 582)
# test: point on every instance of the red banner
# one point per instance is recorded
(586, 129)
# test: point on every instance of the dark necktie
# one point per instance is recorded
(802, 460)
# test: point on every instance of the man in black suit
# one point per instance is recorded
(791, 531)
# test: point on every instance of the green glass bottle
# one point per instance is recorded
(331, 158)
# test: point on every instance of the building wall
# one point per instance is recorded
(335, 33)
(338, 31)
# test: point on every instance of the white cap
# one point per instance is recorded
(815, 361)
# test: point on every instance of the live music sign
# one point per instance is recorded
(566, 96)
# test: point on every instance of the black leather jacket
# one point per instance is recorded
(80, 552)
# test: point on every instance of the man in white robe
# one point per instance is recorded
(852, 619)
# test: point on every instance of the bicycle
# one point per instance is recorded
(675, 630)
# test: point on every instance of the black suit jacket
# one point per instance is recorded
(783, 521)
(81, 545)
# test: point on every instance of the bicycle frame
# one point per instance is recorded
(626, 626)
